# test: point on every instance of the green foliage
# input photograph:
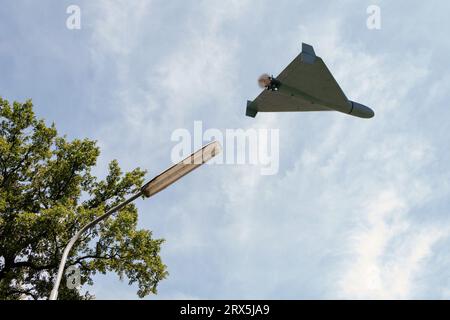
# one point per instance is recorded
(47, 193)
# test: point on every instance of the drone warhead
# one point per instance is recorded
(268, 82)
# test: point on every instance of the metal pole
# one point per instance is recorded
(157, 184)
(54, 293)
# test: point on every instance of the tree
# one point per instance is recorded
(47, 193)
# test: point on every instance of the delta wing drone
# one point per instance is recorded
(305, 85)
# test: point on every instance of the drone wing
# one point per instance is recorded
(306, 85)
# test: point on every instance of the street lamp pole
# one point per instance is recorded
(154, 186)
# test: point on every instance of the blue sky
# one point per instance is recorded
(358, 209)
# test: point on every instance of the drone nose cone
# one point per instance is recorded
(370, 113)
(360, 110)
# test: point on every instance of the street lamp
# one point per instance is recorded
(154, 186)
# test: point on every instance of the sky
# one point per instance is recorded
(359, 209)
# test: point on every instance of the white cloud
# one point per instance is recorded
(336, 221)
(388, 251)
(118, 25)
